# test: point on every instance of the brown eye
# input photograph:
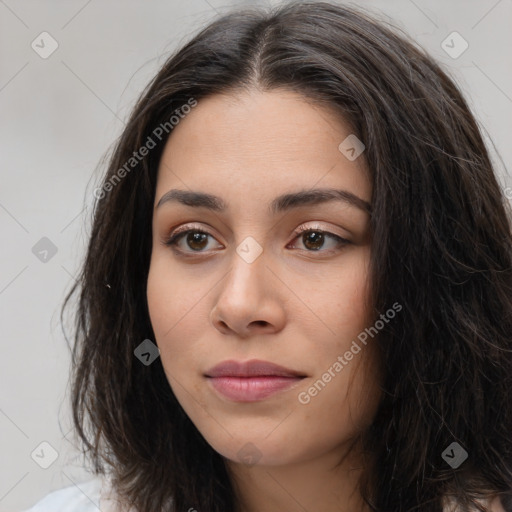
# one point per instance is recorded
(316, 239)
(195, 240)
(313, 240)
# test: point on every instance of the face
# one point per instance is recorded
(246, 277)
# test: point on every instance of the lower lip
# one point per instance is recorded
(251, 389)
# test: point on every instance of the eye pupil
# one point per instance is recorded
(197, 238)
(316, 237)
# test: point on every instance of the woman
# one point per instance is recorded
(297, 291)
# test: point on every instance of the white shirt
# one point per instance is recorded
(92, 496)
(97, 496)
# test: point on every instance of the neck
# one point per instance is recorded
(314, 484)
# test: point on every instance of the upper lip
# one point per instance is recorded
(253, 368)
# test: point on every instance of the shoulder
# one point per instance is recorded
(83, 497)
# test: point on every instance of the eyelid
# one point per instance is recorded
(172, 238)
(300, 229)
(340, 240)
(188, 227)
(317, 227)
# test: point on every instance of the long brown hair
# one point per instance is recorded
(441, 247)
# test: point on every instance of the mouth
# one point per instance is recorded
(253, 368)
(251, 381)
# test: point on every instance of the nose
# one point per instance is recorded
(250, 300)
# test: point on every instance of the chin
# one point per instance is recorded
(251, 452)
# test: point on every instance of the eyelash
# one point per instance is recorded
(175, 237)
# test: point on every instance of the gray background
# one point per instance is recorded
(58, 117)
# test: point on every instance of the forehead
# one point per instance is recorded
(260, 143)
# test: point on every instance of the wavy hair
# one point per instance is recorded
(441, 246)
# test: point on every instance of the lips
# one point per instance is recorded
(254, 368)
(251, 381)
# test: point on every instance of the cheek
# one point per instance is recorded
(172, 297)
(177, 308)
(351, 396)
(338, 300)
(161, 300)
(167, 309)
(168, 304)
(344, 408)
(353, 292)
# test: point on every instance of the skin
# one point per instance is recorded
(292, 305)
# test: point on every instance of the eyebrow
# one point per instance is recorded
(279, 204)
